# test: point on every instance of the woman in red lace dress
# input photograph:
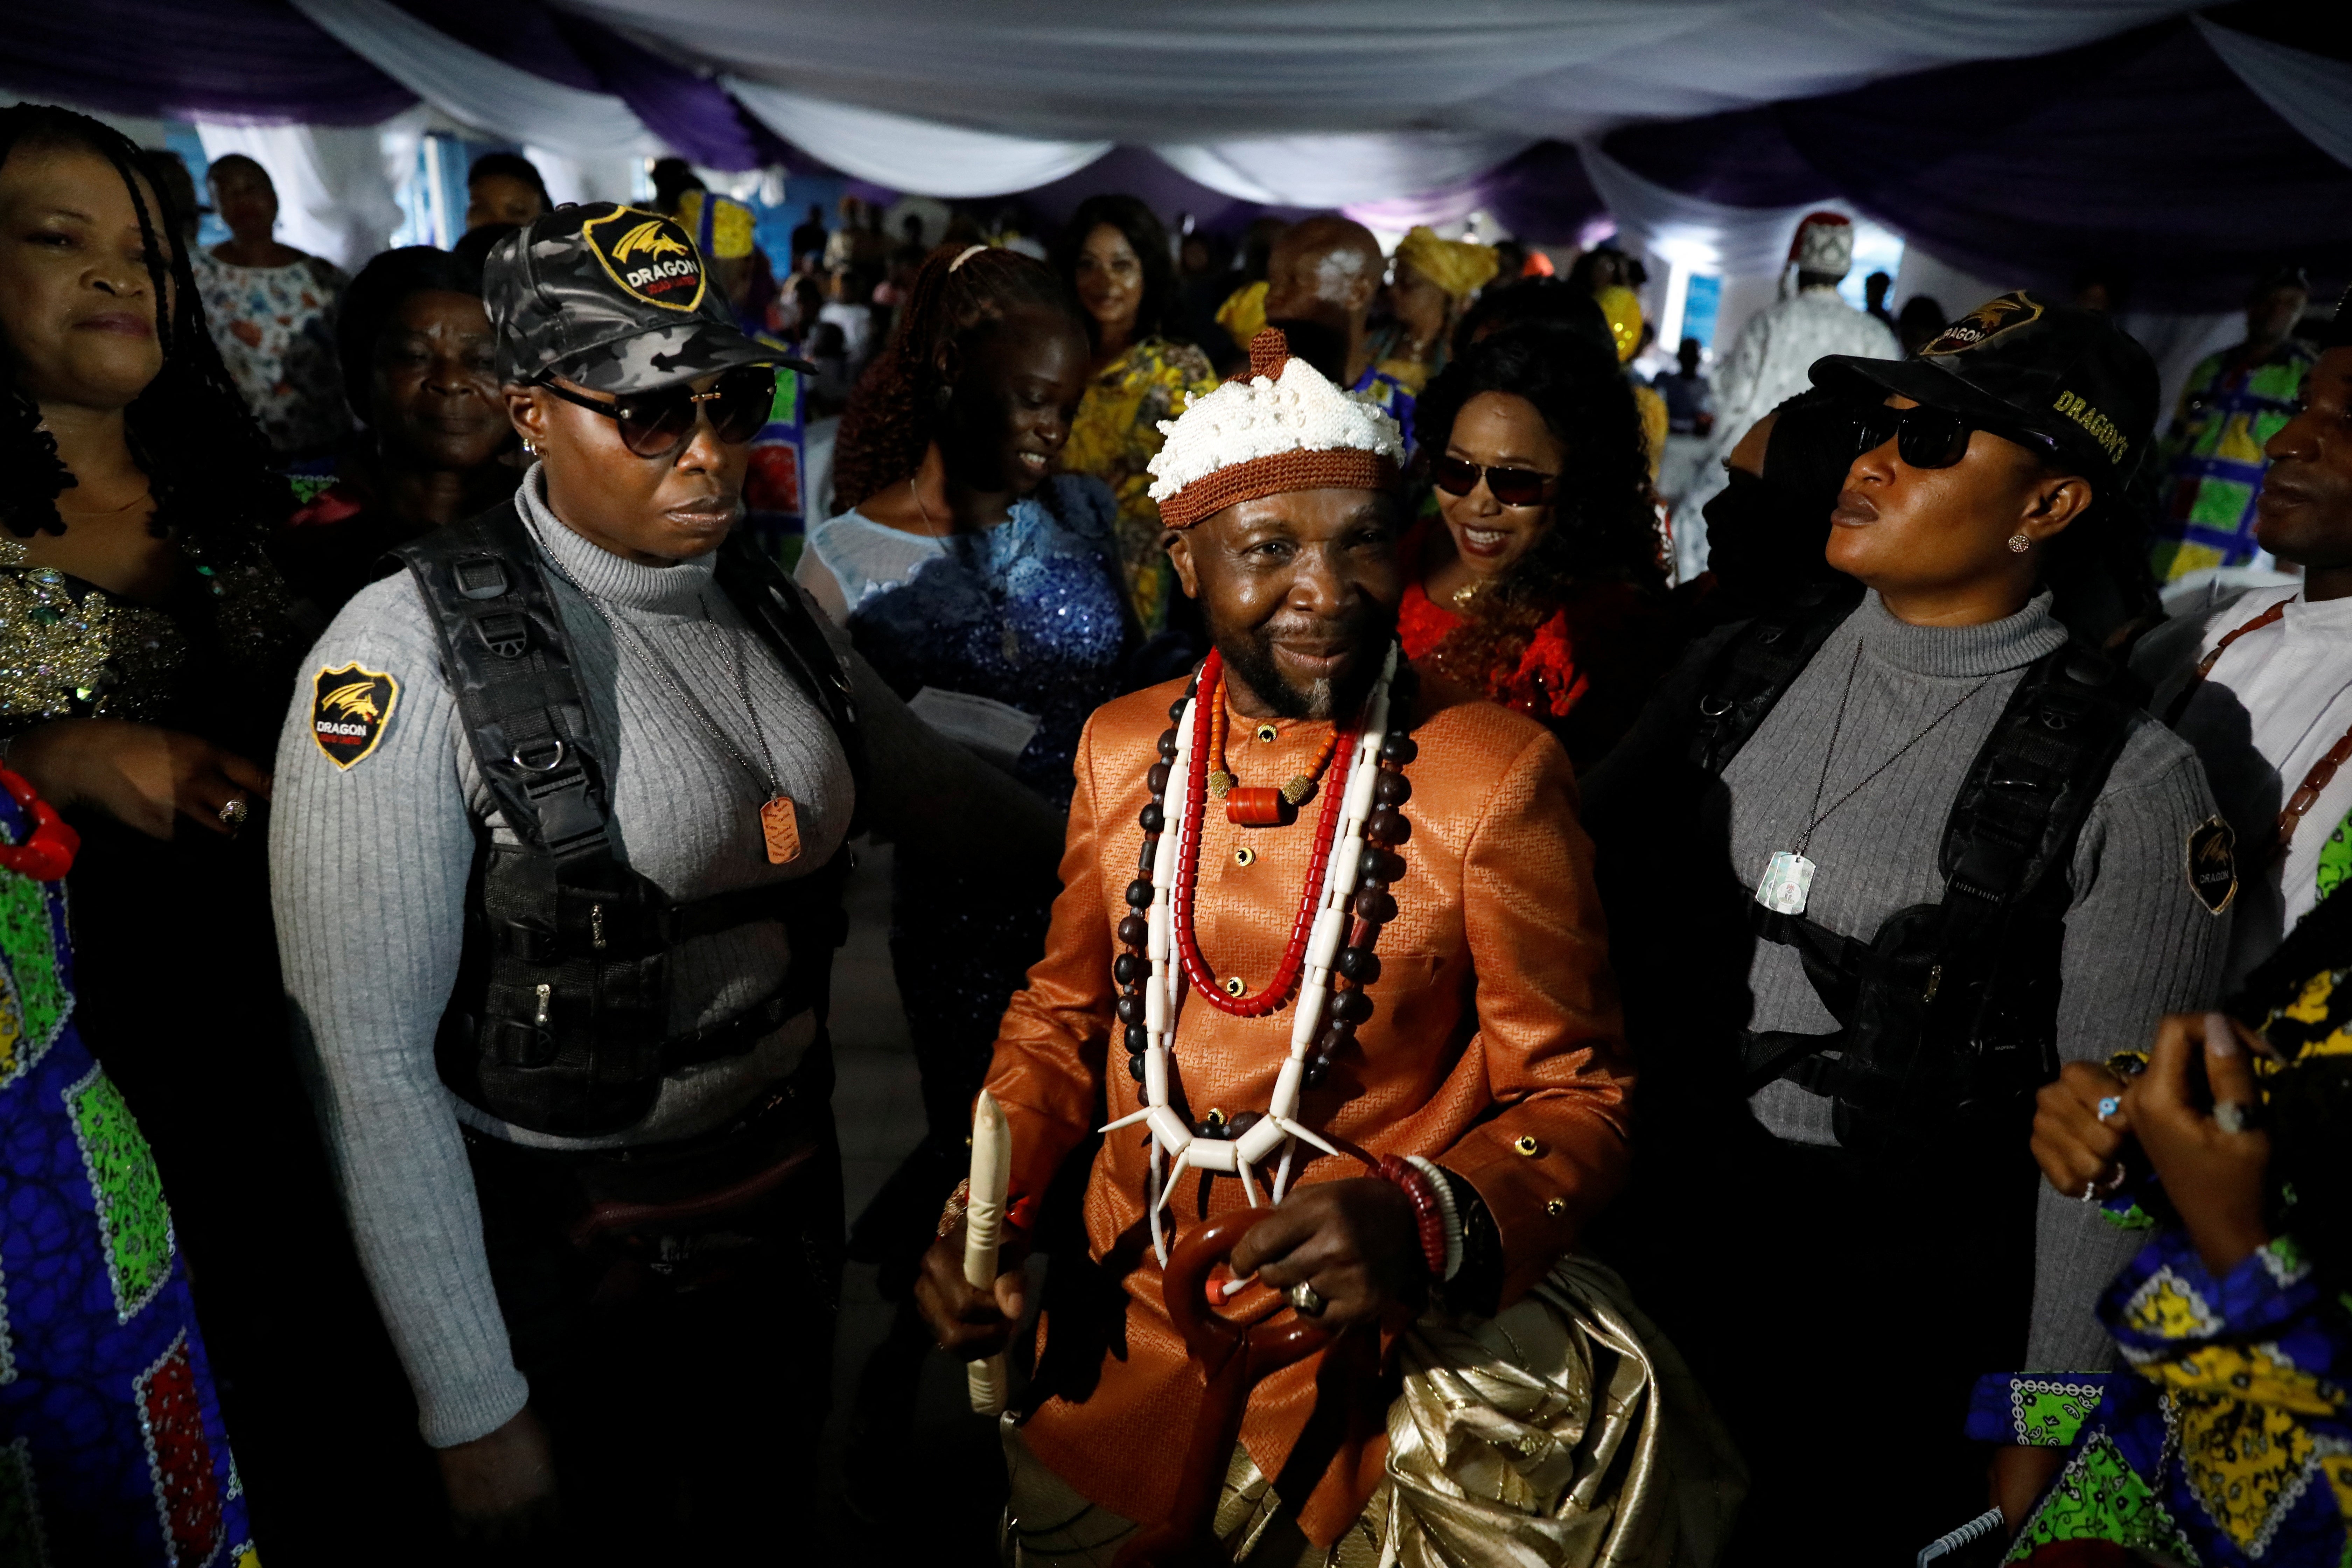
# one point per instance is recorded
(1540, 580)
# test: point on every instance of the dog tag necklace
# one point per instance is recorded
(780, 826)
(1787, 879)
(780, 823)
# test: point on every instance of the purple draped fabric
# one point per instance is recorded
(2162, 163)
(251, 60)
(690, 112)
(2143, 152)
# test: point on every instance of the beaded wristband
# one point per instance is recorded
(953, 1213)
(1429, 1216)
(1445, 1205)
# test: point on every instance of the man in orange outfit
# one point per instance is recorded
(1478, 1049)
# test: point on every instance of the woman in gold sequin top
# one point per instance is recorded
(145, 662)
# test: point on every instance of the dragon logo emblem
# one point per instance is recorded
(349, 710)
(648, 256)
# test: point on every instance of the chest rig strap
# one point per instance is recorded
(1950, 1003)
(558, 1019)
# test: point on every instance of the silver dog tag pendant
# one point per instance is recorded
(1787, 877)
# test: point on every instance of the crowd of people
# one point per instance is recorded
(1509, 1001)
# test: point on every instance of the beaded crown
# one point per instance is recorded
(1285, 427)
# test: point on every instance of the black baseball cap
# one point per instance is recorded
(614, 298)
(2065, 381)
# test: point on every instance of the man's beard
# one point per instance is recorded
(1249, 654)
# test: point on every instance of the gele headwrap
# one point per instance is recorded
(1457, 265)
(1281, 427)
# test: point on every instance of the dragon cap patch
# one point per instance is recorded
(349, 710)
(650, 256)
(2213, 864)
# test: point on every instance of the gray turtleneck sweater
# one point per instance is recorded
(2139, 942)
(368, 868)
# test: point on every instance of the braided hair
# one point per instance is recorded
(900, 402)
(215, 482)
(1603, 524)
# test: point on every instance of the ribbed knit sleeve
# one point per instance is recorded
(368, 869)
(2139, 944)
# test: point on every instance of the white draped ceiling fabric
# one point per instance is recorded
(478, 90)
(2310, 92)
(1313, 103)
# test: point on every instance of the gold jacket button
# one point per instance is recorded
(1267, 733)
(1525, 1144)
(1244, 856)
(1237, 986)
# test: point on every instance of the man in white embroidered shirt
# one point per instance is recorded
(2260, 685)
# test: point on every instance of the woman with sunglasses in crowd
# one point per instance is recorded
(1874, 862)
(558, 858)
(1542, 587)
(986, 589)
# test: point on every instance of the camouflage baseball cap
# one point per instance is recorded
(612, 298)
(2067, 378)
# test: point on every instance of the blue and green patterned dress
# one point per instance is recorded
(111, 1447)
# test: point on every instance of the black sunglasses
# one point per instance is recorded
(656, 424)
(1927, 437)
(1510, 486)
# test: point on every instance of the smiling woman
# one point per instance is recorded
(419, 366)
(145, 658)
(1543, 586)
(966, 569)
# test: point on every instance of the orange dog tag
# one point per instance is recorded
(780, 825)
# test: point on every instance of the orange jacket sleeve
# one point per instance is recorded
(1554, 1150)
(1050, 1049)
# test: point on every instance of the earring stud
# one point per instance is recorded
(2019, 545)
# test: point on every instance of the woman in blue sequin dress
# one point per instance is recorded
(964, 568)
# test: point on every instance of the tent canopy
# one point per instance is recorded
(2022, 138)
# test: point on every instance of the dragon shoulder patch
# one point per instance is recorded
(2213, 864)
(349, 710)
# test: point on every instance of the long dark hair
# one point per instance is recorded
(1146, 235)
(897, 410)
(215, 482)
(1604, 523)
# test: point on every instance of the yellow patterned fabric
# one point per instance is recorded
(1115, 433)
(1460, 267)
(1244, 313)
(729, 236)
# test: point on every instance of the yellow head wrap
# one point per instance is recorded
(1624, 314)
(1460, 267)
(724, 231)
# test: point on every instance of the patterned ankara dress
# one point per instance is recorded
(2227, 1442)
(274, 328)
(111, 1447)
(1117, 432)
(2215, 447)
(1026, 613)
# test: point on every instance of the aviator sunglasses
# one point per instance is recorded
(1927, 437)
(656, 424)
(1509, 487)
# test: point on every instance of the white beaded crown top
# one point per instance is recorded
(1283, 427)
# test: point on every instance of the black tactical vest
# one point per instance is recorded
(558, 1018)
(1949, 1012)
